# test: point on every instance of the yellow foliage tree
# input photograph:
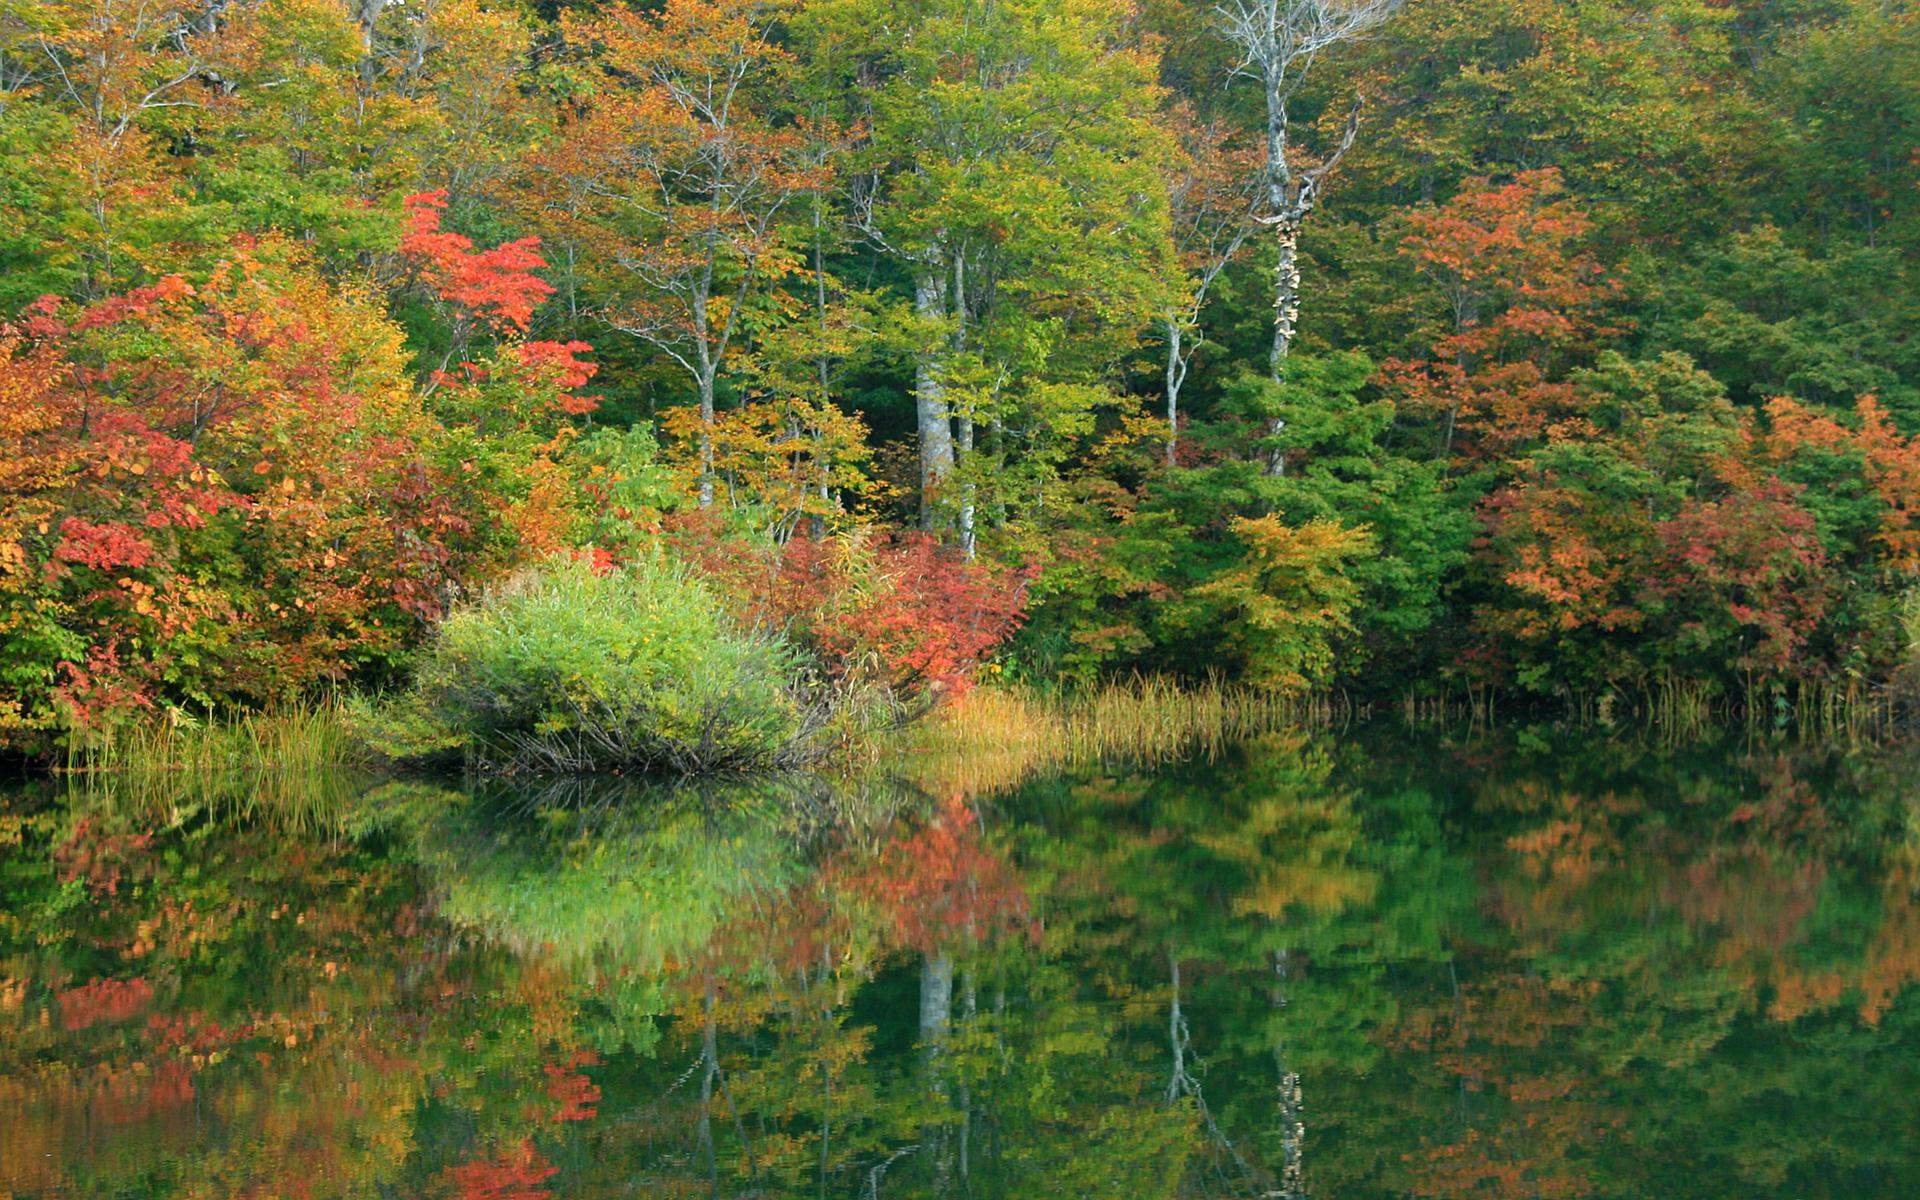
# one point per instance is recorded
(1292, 592)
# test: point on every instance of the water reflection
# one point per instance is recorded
(1327, 967)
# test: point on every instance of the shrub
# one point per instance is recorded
(569, 668)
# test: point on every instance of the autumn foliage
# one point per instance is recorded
(222, 493)
(1555, 349)
(899, 609)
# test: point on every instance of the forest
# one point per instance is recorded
(760, 358)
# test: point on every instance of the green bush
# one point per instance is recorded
(640, 669)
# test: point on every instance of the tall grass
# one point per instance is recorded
(993, 738)
(294, 740)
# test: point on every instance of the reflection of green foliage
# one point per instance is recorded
(1677, 973)
(626, 881)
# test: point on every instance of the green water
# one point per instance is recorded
(1552, 967)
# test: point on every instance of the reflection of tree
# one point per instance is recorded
(1259, 907)
(1586, 973)
(231, 974)
(1664, 930)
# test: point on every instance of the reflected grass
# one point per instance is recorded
(320, 802)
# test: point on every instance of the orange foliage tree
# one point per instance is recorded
(221, 490)
(674, 180)
(1522, 301)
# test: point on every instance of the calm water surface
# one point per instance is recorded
(1340, 967)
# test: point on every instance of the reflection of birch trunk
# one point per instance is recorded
(936, 1001)
(1293, 1129)
(936, 1015)
(1181, 1083)
(710, 1070)
(969, 1009)
(1176, 1034)
(826, 1069)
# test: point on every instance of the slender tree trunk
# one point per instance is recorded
(821, 364)
(1286, 293)
(930, 401)
(705, 370)
(366, 14)
(967, 497)
(965, 416)
(706, 438)
(1286, 314)
(1293, 1128)
(1176, 378)
(1283, 207)
(820, 298)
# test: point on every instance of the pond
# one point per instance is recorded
(1371, 965)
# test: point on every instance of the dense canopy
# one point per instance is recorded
(1558, 348)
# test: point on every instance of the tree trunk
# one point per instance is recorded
(1286, 313)
(930, 401)
(967, 498)
(964, 417)
(706, 439)
(1176, 378)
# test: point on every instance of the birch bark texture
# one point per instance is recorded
(1277, 42)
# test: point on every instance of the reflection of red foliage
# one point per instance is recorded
(940, 883)
(98, 856)
(103, 1000)
(571, 1089)
(516, 1175)
(124, 1097)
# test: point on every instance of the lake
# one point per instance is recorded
(1380, 964)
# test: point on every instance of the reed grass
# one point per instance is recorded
(295, 740)
(993, 738)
